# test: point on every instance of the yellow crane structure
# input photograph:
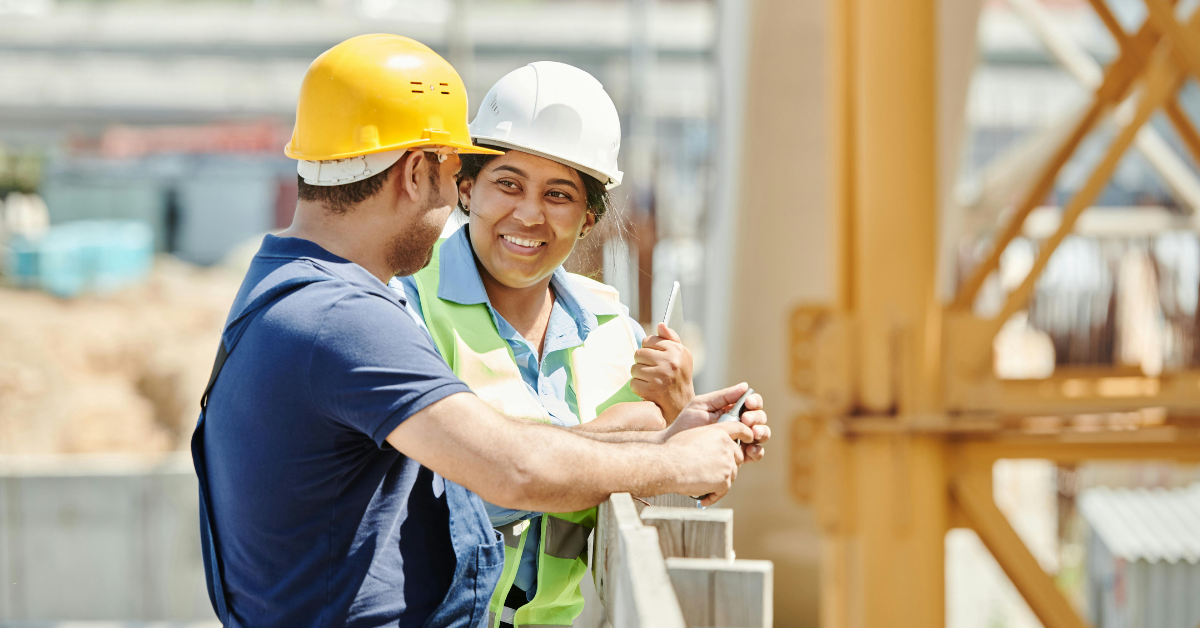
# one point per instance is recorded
(907, 416)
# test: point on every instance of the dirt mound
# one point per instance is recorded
(121, 373)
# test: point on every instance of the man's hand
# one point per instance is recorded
(466, 441)
(698, 414)
(707, 460)
(663, 372)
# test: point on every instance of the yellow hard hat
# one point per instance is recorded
(376, 93)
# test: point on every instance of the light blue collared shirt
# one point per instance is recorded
(572, 318)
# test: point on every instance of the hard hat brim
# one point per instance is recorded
(462, 149)
(610, 180)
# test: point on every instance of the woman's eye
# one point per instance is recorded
(508, 184)
(557, 194)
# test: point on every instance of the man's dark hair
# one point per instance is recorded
(598, 199)
(340, 199)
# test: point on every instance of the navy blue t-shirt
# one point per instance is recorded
(318, 521)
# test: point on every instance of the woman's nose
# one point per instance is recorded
(529, 213)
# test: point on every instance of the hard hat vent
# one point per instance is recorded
(494, 107)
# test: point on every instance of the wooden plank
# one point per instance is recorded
(644, 596)
(694, 588)
(733, 594)
(628, 569)
(617, 512)
(973, 492)
(670, 500)
(691, 532)
(603, 539)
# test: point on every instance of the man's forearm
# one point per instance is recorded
(616, 462)
(527, 465)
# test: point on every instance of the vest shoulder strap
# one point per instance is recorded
(468, 340)
(453, 323)
(605, 292)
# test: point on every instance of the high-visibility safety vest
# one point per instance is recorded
(467, 338)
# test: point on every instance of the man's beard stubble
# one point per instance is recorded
(413, 250)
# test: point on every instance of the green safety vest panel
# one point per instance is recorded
(468, 339)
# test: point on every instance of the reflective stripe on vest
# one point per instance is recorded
(467, 337)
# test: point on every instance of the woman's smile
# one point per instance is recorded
(522, 246)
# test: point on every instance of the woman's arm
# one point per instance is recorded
(638, 417)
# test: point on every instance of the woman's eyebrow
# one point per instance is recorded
(512, 169)
(562, 182)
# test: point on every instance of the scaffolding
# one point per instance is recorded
(908, 416)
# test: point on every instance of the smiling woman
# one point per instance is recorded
(532, 340)
(526, 213)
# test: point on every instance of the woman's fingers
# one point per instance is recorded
(648, 357)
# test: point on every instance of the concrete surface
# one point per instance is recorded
(100, 538)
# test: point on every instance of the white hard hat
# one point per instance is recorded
(556, 111)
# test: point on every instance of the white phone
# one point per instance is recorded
(673, 317)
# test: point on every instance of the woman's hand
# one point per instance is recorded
(663, 372)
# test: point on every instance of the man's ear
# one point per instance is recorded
(411, 171)
(465, 187)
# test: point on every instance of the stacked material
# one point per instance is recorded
(121, 373)
(99, 256)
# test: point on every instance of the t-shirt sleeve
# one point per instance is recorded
(372, 367)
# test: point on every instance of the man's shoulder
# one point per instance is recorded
(311, 281)
(299, 298)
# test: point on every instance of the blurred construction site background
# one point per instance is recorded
(141, 163)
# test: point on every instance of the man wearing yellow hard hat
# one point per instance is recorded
(341, 462)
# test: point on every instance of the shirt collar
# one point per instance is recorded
(460, 282)
(275, 247)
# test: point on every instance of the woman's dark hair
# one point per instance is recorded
(598, 199)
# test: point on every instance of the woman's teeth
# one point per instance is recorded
(523, 242)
